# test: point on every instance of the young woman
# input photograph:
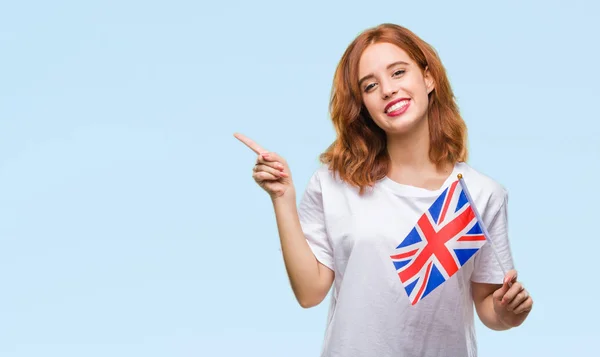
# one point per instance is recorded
(400, 144)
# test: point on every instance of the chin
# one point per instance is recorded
(399, 125)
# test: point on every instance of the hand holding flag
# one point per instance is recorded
(445, 238)
(512, 302)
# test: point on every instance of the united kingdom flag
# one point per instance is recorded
(445, 237)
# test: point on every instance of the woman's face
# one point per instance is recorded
(394, 89)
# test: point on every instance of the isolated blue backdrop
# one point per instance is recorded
(129, 222)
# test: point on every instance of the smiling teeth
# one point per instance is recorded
(397, 106)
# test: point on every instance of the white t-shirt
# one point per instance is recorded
(370, 313)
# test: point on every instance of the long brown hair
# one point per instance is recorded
(359, 153)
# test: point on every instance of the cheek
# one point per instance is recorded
(370, 105)
(421, 90)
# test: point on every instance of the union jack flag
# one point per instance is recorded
(445, 237)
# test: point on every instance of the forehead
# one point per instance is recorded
(376, 57)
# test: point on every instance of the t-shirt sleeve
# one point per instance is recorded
(312, 220)
(487, 268)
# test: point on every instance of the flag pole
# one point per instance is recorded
(483, 228)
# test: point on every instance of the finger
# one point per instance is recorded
(272, 156)
(525, 306)
(510, 295)
(271, 170)
(509, 278)
(264, 176)
(249, 143)
(518, 300)
(274, 164)
(498, 294)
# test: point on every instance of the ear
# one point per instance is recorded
(428, 80)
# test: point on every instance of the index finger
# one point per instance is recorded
(250, 143)
(510, 277)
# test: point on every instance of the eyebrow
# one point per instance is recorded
(371, 75)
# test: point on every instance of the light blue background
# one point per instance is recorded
(129, 222)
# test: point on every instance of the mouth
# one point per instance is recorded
(397, 107)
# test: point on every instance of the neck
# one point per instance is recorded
(410, 163)
(411, 150)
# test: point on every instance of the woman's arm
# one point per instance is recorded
(310, 280)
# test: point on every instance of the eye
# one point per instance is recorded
(369, 87)
(399, 72)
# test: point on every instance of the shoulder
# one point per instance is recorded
(322, 186)
(324, 176)
(327, 183)
(481, 185)
(317, 179)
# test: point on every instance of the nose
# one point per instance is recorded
(387, 90)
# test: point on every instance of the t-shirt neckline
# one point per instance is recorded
(409, 190)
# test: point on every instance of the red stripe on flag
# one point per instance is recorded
(472, 238)
(447, 203)
(404, 255)
(436, 244)
(423, 284)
